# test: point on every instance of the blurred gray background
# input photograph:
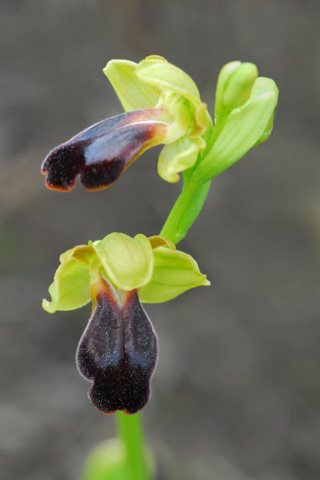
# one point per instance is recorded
(236, 395)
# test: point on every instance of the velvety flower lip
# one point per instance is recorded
(118, 351)
(102, 152)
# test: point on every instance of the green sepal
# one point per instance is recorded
(128, 262)
(261, 85)
(71, 286)
(174, 273)
(267, 132)
(244, 127)
(132, 91)
(179, 156)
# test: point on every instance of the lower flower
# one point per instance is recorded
(118, 350)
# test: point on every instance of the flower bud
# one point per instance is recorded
(244, 128)
(234, 86)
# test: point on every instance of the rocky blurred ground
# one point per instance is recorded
(236, 395)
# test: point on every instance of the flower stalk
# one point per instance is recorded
(186, 210)
(130, 430)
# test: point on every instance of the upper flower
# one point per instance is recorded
(163, 106)
(154, 82)
(118, 350)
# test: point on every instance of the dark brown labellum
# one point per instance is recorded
(118, 353)
(102, 152)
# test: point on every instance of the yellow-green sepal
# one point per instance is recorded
(133, 92)
(128, 262)
(71, 286)
(174, 272)
(245, 127)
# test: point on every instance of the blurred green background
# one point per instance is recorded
(236, 394)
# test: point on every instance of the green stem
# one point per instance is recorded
(185, 210)
(130, 430)
(194, 193)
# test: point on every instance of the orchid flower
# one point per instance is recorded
(162, 105)
(118, 350)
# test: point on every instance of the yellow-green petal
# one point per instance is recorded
(174, 273)
(71, 287)
(157, 241)
(179, 156)
(132, 91)
(159, 73)
(201, 121)
(128, 262)
(180, 112)
(82, 253)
